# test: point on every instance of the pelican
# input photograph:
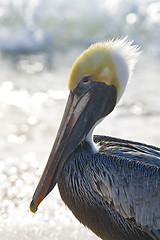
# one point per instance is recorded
(111, 185)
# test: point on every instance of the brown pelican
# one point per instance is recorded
(111, 185)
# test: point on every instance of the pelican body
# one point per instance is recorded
(111, 185)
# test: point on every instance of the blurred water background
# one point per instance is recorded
(39, 41)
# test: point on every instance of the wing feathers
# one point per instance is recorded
(130, 186)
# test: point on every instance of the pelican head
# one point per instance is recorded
(110, 62)
(97, 81)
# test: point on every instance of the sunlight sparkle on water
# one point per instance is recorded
(24, 127)
(30, 68)
(55, 94)
(131, 18)
(38, 98)
(29, 157)
(19, 98)
(12, 138)
(32, 120)
(153, 12)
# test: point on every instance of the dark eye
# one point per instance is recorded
(85, 85)
(86, 79)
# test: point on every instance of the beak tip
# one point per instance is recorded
(33, 207)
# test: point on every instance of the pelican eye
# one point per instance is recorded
(86, 80)
(84, 85)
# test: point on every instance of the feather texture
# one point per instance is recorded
(116, 188)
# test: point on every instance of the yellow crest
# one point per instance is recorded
(94, 62)
(109, 62)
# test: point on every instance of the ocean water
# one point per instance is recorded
(39, 41)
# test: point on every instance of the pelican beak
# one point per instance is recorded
(89, 102)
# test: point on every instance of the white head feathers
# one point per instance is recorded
(124, 55)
